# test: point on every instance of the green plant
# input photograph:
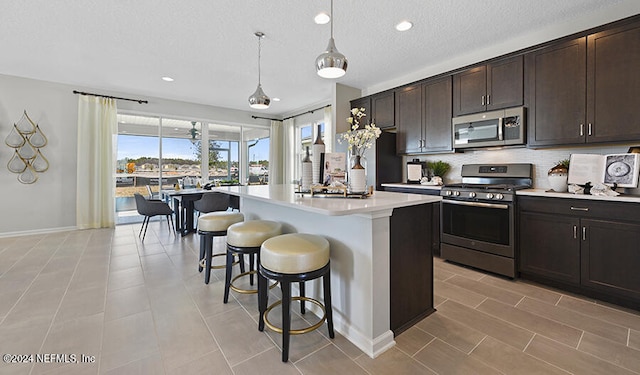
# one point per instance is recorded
(439, 168)
(563, 163)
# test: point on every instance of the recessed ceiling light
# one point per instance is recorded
(322, 18)
(404, 26)
(275, 99)
(167, 79)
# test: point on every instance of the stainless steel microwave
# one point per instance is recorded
(489, 129)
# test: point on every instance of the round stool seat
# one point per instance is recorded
(294, 253)
(252, 233)
(218, 221)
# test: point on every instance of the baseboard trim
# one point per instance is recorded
(36, 231)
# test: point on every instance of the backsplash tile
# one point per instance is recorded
(542, 159)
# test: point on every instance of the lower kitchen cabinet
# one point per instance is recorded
(611, 257)
(584, 246)
(549, 246)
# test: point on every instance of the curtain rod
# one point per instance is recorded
(286, 118)
(110, 97)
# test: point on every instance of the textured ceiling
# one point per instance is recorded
(208, 46)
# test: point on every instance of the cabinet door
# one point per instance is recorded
(437, 115)
(505, 83)
(613, 85)
(383, 109)
(409, 119)
(550, 246)
(469, 91)
(556, 94)
(611, 257)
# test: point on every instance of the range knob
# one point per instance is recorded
(489, 195)
(456, 193)
(499, 196)
(448, 192)
(472, 194)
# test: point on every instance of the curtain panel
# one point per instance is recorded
(276, 153)
(97, 132)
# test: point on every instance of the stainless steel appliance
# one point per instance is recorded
(478, 223)
(496, 128)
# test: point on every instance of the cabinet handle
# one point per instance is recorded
(482, 99)
(584, 233)
(585, 209)
(488, 99)
(589, 129)
(581, 130)
(575, 232)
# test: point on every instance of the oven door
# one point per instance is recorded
(487, 227)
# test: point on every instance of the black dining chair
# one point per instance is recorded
(211, 202)
(151, 208)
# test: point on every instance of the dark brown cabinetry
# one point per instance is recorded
(379, 109)
(613, 85)
(548, 247)
(411, 266)
(585, 90)
(383, 109)
(423, 117)
(488, 87)
(435, 225)
(591, 247)
(556, 88)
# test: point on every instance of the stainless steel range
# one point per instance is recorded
(478, 221)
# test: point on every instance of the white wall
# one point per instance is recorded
(50, 203)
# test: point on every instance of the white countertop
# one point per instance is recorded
(552, 194)
(413, 186)
(285, 195)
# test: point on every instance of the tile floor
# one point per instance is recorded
(144, 309)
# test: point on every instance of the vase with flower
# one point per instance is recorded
(359, 140)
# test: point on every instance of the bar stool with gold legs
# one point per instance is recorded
(245, 238)
(211, 225)
(295, 257)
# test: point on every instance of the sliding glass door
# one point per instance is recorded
(155, 153)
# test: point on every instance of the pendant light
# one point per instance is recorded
(259, 100)
(331, 63)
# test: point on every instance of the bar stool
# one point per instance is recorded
(295, 257)
(211, 225)
(245, 238)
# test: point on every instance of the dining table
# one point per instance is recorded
(182, 204)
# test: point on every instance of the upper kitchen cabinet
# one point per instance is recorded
(383, 109)
(379, 108)
(423, 117)
(409, 119)
(487, 87)
(613, 85)
(556, 93)
(585, 90)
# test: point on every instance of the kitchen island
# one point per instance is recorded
(381, 262)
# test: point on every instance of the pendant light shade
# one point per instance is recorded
(331, 63)
(259, 100)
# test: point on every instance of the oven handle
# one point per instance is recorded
(477, 204)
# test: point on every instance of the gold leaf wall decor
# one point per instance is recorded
(26, 138)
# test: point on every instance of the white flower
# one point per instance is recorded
(360, 140)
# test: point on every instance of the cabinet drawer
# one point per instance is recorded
(582, 208)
